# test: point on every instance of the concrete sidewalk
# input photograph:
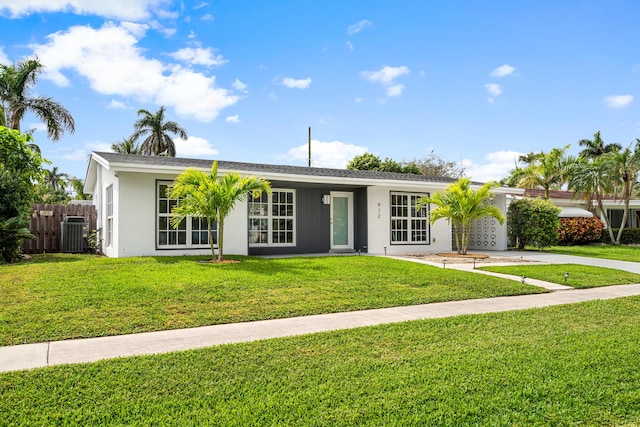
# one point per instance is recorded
(89, 350)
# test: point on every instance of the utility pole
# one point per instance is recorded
(309, 146)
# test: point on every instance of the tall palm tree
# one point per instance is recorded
(212, 197)
(462, 206)
(596, 147)
(127, 146)
(624, 167)
(16, 84)
(546, 170)
(158, 142)
(591, 180)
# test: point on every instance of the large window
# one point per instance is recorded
(190, 233)
(110, 215)
(409, 225)
(272, 219)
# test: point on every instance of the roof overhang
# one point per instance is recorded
(174, 170)
(574, 212)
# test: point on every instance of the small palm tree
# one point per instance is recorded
(624, 167)
(158, 142)
(16, 83)
(592, 180)
(461, 206)
(213, 197)
(127, 146)
(545, 170)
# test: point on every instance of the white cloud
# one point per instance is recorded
(617, 101)
(110, 59)
(4, 59)
(494, 90)
(232, 119)
(359, 26)
(194, 146)
(117, 105)
(350, 46)
(359, 99)
(81, 154)
(498, 165)
(334, 154)
(386, 74)
(200, 6)
(38, 127)
(135, 10)
(296, 83)
(192, 35)
(199, 56)
(502, 71)
(395, 90)
(240, 86)
(207, 17)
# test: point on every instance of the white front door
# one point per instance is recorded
(341, 220)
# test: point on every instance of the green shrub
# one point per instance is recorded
(532, 222)
(12, 232)
(630, 236)
(20, 172)
(579, 231)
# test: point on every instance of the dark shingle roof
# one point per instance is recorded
(258, 168)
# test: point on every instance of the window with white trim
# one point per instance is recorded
(191, 232)
(109, 200)
(272, 219)
(409, 225)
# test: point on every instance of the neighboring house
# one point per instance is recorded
(570, 206)
(311, 210)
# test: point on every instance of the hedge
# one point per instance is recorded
(630, 236)
(579, 231)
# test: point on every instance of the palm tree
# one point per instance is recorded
(127, 146)
(591, 180)
(212, 197)
(624, 167)
(16, 83)
(78, 187)
(546, 170)
(461, 206)
(596, 147)
(158, 142)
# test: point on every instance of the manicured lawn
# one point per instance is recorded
(620, 253)
(580, 276)
(559, 366)
(58, 297)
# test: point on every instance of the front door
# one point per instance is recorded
(341, 220)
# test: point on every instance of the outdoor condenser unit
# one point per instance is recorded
(72, 235)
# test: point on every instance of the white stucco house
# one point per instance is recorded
(311, 210)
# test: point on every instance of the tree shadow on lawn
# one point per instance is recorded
(250, 264)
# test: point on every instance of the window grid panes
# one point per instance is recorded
(408, 223)
(272, 219)
(191, 232)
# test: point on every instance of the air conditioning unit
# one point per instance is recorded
(72, 234)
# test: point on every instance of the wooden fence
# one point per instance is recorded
(46, 222)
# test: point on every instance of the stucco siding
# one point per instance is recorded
(379, 226)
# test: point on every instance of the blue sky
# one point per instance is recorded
(477, 82)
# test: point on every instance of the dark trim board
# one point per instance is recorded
(312, 221)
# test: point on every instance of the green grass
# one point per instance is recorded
(558, 366)
(580, 276)
(620, 253)
(58, 297)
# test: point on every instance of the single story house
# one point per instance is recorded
(311, 210)
(572, 206)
